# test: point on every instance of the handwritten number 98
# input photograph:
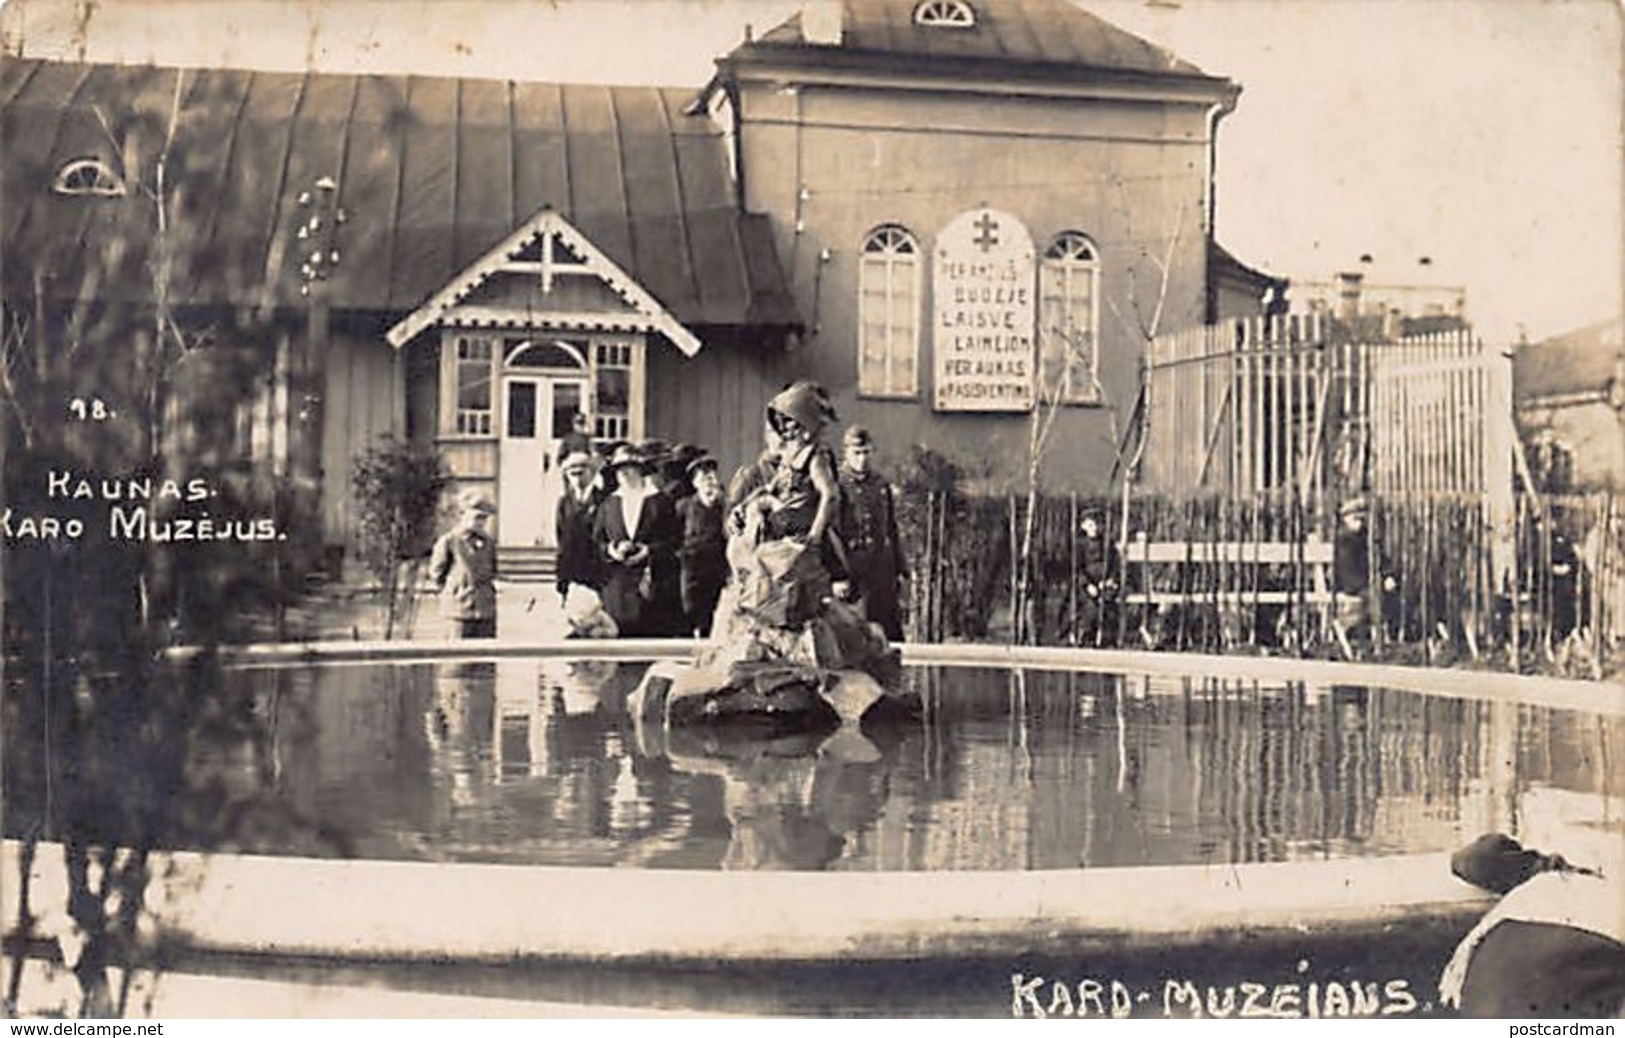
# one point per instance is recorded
(93, 410)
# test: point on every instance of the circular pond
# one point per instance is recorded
(536, 762)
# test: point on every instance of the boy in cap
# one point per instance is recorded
(677, 482)
(704, 550)
(463, 566)
(867, 528)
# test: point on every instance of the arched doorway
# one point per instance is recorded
(545, 384)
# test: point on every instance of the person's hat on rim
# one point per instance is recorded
(700, 464)
(575, 462)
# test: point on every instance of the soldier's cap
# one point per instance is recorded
(575, 462)
(701, 463)
(857, 436)
(474, 501)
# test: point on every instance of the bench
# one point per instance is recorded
(1141, 557)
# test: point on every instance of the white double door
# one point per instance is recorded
(537, 412)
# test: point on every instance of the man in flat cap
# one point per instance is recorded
(867, 529)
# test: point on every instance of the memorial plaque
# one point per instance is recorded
(983, 317)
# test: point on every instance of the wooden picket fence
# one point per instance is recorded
(1428, 578)
(1294, 404)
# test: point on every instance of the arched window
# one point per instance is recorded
(945, 14)
(889, 313)
(88, 177)
(525, 353)
(1069, 318)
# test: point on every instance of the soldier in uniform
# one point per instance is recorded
(1565, 583)
(1098, 567)
(867, 529)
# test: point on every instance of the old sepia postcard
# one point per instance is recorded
(834, 508)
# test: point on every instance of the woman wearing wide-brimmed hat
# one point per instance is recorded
(635, 530)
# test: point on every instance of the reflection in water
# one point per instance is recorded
(791, 801)
(536, 762)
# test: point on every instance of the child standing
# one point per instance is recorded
(704, 551)
(463, 567)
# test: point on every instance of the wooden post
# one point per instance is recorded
(1516, 620)
(1015, 566)
(1299, 534)
(1427, 577)
(317, 247)
(942, 568)
(917, 587)
(1072, 583)
(1374, 570)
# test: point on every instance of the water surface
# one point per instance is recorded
(536, 762)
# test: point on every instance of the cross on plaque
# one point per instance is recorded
(987, 232)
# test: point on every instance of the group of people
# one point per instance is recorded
(644, 534)
(643, 531)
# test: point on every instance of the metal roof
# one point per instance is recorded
(1053, 36)
(432, 173)
(1583, 361)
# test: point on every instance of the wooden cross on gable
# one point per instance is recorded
(563, 252)
(554, 260)
(547, 263)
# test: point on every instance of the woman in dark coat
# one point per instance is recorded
(636, 532)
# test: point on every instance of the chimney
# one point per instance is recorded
(821, 22)
(1348, 295)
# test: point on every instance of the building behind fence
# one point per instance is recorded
(1307, 491)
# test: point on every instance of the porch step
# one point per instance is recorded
(526, 564)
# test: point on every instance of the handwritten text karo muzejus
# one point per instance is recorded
(132, 508)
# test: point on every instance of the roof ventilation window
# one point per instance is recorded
(945, 14)
(88, 177)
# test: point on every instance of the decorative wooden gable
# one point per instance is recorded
(545, 275)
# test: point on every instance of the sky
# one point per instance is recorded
(1485, 135)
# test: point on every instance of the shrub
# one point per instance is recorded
(397, 487)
